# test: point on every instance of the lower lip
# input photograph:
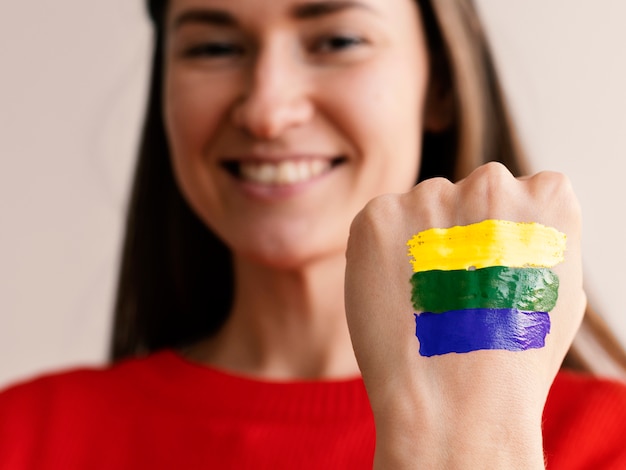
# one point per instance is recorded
(275, 193)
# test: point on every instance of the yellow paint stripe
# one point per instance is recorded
(487, 243)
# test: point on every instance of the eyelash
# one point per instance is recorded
(338, 43)
(214, 50)
(327, 45)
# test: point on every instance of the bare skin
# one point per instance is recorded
(473, 410)
(284, 121)
(269, 86)
(284, 327)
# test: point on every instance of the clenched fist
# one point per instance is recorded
(475, 409)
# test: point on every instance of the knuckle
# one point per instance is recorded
(493, 170)
(489, 186)
(492, 176)
(433, 185)
(554, 182)
(430, 200)
(553, 191)
(377, 212)
(429, 191)
(554, 186)
(374, 226)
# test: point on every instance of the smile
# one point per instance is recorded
(281, 173)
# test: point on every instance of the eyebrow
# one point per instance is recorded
(303, 11)
(323, 8)
(205, 15)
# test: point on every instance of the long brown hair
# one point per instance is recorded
(170, 258)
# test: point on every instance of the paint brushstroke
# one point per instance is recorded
(484, 286)
(528, 289)
(462, 331)
(487, 243)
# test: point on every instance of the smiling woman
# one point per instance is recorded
(273, 197)
(242, 122)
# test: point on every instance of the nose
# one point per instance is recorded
(275, 98)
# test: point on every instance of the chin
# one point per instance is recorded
(292, 244)
(291, 257)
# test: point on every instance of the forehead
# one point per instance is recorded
(264, 11)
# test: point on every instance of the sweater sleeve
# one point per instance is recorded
(23, 409)
(51, 421)
(585, 423)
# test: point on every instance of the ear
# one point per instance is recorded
(439, 106)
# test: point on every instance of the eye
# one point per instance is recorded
(214, 50)
(339, 43)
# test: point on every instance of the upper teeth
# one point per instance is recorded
(284, 172)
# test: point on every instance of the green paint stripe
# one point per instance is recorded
(527, 289)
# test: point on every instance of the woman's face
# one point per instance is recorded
(285, 117)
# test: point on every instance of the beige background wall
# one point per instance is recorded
(72, 84)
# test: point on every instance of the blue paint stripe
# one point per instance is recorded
(468, 330)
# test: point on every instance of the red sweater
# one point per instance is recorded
(163, 412)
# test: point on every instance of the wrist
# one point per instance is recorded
(471, 433)
(461, 445)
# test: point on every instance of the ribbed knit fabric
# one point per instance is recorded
(585, 424)
(163, 412)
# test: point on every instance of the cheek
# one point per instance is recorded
(193, 110)
(381, 117)
(385, 96)
(192, 113)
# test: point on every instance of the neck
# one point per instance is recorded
(285, 324)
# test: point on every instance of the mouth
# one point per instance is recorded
(281, 173)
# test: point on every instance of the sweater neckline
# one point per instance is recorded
(177, 356)
(220, 392)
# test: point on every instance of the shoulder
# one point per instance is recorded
(571, 381)
(70, 392)
(572, 393)
(92, 405)
(585, 420)
(74, 382)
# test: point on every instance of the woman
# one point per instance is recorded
(270, 126)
